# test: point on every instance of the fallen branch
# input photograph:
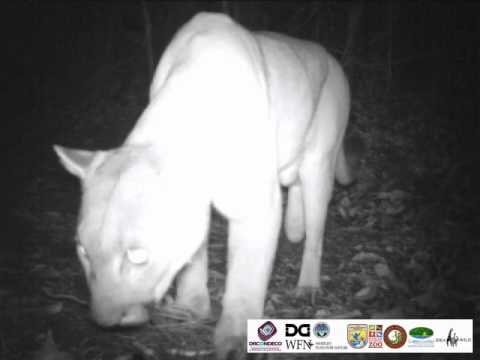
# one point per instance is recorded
(67, 297)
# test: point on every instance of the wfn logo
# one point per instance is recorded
(299, 344)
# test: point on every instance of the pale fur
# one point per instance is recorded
(232, 116)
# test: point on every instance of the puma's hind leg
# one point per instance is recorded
(294, 217)
(317, 178)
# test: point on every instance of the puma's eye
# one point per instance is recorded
(137, 256)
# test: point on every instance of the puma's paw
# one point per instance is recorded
(231, 348)
(308, 292)
(198, 305)
(230, 343)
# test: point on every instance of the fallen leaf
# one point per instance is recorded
(269, 307)
(367, 256)
(393, 313)
(345, 202)
(348, 315)
(276, 298)
(358, 247)
(393, 195)
(322, 313)
(49, 350)
(54, 308)
(394, 209)
(371, 221)
(382, 270)
(125, 357)
(354, 211)
(366, 293)
(400, 285)
(343, 212)
(325, 278)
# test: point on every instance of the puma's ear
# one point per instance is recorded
(75, 161)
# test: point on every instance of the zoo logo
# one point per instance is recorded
(395, 336)
(375, 336)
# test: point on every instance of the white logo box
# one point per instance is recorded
(449, 336)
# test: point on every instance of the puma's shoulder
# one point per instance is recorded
(210, 35)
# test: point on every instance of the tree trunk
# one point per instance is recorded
(354, 16)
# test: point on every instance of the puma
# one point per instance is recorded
(233, 115)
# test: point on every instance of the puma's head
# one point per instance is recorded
(131, 235)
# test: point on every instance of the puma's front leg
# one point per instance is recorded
(192, 291)
(252, 245)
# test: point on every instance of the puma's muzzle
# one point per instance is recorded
(107, 314)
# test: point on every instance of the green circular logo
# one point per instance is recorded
(421, 332)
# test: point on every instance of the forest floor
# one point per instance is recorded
(398, 242)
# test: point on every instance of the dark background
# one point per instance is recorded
(77, 73)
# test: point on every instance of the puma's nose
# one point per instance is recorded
(108, 316)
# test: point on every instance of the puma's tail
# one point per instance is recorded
(348, 160)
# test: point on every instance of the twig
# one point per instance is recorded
(189, 353)
(147, 24)
(65, 297)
